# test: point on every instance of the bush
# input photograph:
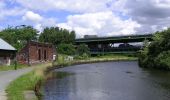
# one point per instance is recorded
(83, 49)
(67, 49)
(163, 60)
(84, 56)
(157, 53)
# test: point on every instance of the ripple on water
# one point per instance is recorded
(107, 81)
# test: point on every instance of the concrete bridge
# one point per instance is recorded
(100, 45)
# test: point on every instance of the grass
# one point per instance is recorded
(26, 82)
(17, 87)
(113, 57)
(11, 67)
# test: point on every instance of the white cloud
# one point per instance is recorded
(100, 23)
(2, 4)
(101, 17)
(31, 16)
(152, 15)
(38, 21)
(4, 12)
(38, 27)
(162, 3)
(67, 5)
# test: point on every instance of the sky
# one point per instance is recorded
(88, 17)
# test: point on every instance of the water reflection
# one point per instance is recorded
(108, 81)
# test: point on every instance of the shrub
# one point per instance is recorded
(163, 60)
(67, 49)
(83, 49)
(157, 53)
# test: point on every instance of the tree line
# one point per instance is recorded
(63, 39)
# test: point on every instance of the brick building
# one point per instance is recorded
(36, 52)
(7, 53)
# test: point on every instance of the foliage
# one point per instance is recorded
(18, 36)
(56, 36)
(17, 87)
(12, 67)
(59, 37)
(67, 49)
(157, 54)
(163, 60)
(82, 57)
(15, 91)
(83, 49)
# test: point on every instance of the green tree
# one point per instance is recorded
(57, 36)
(157, 53)
(18, 36)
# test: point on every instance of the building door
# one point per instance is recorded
(45, 55)
(39, 54)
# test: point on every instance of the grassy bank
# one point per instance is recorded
(11, 67)
(113, 57)
(28, 81)
(15, 91)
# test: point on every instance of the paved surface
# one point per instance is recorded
(7, 76)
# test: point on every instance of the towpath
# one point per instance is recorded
(7, 76)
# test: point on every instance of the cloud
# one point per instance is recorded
(2, 4)
(38, 21)
(67, 5)
(39, 27)
(152, 15)
(101, 17)
(100, 23)
(10, 12)
(31, 16)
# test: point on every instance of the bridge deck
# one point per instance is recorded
(132, 38)
(101, 45)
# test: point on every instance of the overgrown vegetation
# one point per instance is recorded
(15, 91)
(83, 49)
(12, 67)
(157, 53)
(67, 49)
(109, 57)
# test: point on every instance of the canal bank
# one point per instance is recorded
(32, 78)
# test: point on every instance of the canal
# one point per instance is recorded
(120, 80)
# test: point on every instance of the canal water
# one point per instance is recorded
(107, 81)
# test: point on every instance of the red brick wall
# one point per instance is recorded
(34, 48)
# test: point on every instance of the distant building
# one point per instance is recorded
(36, 52)
(7, 53)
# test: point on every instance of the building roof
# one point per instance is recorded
(5, 46)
